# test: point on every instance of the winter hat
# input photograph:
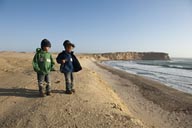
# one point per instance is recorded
(67, 43)
(45, 43)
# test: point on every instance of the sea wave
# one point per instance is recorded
(174, 74)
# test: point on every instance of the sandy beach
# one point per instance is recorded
(104, 98)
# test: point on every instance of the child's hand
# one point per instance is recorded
(53, 69)
(63, 61)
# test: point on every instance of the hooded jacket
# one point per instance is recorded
(43, 62)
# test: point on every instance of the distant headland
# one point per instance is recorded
(132, 56)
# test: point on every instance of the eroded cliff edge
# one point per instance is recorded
(132, 56)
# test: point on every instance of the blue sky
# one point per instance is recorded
(98, 25)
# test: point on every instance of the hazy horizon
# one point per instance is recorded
(98, 26)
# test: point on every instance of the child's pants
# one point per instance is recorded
(41, 79)
(69, 81)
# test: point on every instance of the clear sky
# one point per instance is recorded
(98, 25)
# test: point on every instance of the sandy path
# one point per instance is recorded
(93, 105)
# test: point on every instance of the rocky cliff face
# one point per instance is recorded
(133, 56)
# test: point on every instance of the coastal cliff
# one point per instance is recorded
(132, 56)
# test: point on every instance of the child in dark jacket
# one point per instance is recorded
(43, 64)
(69, 64)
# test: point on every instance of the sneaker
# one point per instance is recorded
(41, 94)
(48, 93)
(73, 90)
(68, 92)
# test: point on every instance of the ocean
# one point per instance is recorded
(175, 73)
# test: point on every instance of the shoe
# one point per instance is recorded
(41, 94)
(68, 92)
(73, 90)
(48, 93)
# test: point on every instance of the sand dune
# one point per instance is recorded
(103, 99)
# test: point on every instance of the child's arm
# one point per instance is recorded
(35, 63)
(60, 59)
(52, 64)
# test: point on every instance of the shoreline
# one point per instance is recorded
(155, 104)
(167, 84)
(150, 87)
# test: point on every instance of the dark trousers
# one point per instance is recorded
(68, 80)
(41, 79)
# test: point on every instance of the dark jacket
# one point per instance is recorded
(76, 64)
(71, 65)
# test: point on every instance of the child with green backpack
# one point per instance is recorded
(43, 64)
